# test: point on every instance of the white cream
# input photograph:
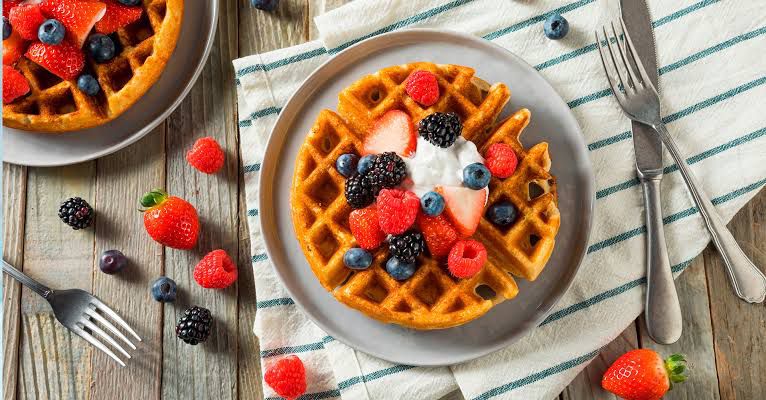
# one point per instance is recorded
(432, 165)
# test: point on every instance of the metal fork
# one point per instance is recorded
(639, 100)
(78, 310)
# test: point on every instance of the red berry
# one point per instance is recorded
(117, 16)
(206, 155)
(13, 48)
(15, 84)
(8, 5)
(466, 258)
(642, 375)
(26, 19)
(63, 60)
(215, 270)
(397, 210)
(365, 227)
(464, 207)
(393, 131)
(501, 160)
(423, 87)
(170, 220)
(78, 17)
(439, 234)
(287, 377)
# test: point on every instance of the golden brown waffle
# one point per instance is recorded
(432, 298)
(55, 105)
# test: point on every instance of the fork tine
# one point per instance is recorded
(639, 64)
(633, 77)
(94, 328)
(612, 84)
(95, 315)
(620, 72)
(108, 311)
(90, 339)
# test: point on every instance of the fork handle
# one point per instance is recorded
(748, 281)
(25, 280)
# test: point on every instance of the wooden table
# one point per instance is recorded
(723, 335)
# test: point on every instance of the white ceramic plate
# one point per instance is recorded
(183, 68)
(552, 121)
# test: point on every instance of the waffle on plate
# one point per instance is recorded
(431, 297)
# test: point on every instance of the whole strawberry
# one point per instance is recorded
(287, 377)
(170, 220)
(215, 270)
(206, 155)
(642, 375)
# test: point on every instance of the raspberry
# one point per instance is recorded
(397, 210)
(215, 270)
(423, 87)
(15, 84)
(365, 228)
(206, 155)
(287, 377)
(26, 19)
(466, 258)
(439, 234)
(501, 160)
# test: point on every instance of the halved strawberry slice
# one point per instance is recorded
(78, 16)
(15, 84)
(393, 131)
(13, 48)
(64, 60)
(438, 233)
(8, 5)
(464, 207)
(26, 19)
(117, 16)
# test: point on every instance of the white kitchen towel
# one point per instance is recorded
(712, 79)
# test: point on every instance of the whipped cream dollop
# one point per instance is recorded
(433, 166)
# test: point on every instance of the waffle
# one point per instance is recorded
(432, 298)
(55, 105)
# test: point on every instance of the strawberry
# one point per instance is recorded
(15, 84)
(438, 233)
(466, 259)
(78, 17)
(215, 270)
(464, 207)
(423, 87)
(206, 155)
(501, 160)
(393, 131)
(365, 227)
(63, 60)
(117, 16)
(397, 210)
(287, 377)
(26, 19)
(13, 48)
(642, 375)
(8, 5)
(170, 220)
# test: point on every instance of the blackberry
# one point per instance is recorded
(440, 129)
(76, 213)
(388, 170)
(407, 246)
(360, 193)
(194, 325)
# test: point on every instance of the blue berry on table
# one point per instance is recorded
(556, 27)
(6, 28)
(265, 5)
(112, 262)
(164, 289)
(51, 32)
(76, 213)
(476, 176)
(357, 258)
(432, 203)
(440, 129)
(101, 47)
(346, 164)
(130, 2)
(194, 325)
(88, 84)
(502, 213)
(365, 164)
(399, 270)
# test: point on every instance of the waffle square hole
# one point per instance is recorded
(403, 307)
(65, 104)
(485, 292)
(375, 291)
(44, 78)
(138, 31)
(341, 217)
(430, 290)
(324, 191)
(537, 188)
(457, 305)
(327, 142)
(533, 240)
(325, 243)
(376, 94)
(160, 9)
(27, 107)
(120, 75)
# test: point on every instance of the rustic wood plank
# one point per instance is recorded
(261, 31)
(121, 179)
(14, 204)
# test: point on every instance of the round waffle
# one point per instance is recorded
(432, 298)
(55, 105)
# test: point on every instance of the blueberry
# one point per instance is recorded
(356, 258)
(130, 2)
(164, 289)
(112, 261)
(365, 164)
(88, 84)
(556, 27)
(432, 203)
(51, 32)
(502, 213)
(101, 47)
(476, 176)
(265, 5)
(6, 28)
(399, 270)
(346, 164)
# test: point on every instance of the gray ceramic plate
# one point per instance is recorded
(183, 68)
(551, 121)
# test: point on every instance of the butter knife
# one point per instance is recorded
(663, 311)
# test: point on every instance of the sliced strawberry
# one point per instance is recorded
(63, 60)
(393, 131)
(26, 19)
(117, 16)
(15, 84)
(438, 233)
(464, 207)
(78, 16)
(8, 5)
(13, 48)
(365, 227)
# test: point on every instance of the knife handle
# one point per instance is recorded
(663, 311)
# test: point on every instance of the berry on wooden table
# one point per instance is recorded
(556, 27)
(440, 129)
(76, 213)
(51, 32)
(397, 210)
(501, 160)
(206, 155)
(170, 220)
(466, 258)
(401, 271)
(15, 84)
(88, 84)
(194, 325)
(265, 5)
(164, 290)
(26, 20)
(101, 47)
(365, 227)
(287, 377)
(112, 262)
(423, 87)
(215, 270)
(642, 375)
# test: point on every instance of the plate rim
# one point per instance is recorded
(270, 161)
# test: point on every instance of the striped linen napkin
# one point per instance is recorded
(712, 79)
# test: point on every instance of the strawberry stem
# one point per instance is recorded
(154, 198)
(675, 365)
